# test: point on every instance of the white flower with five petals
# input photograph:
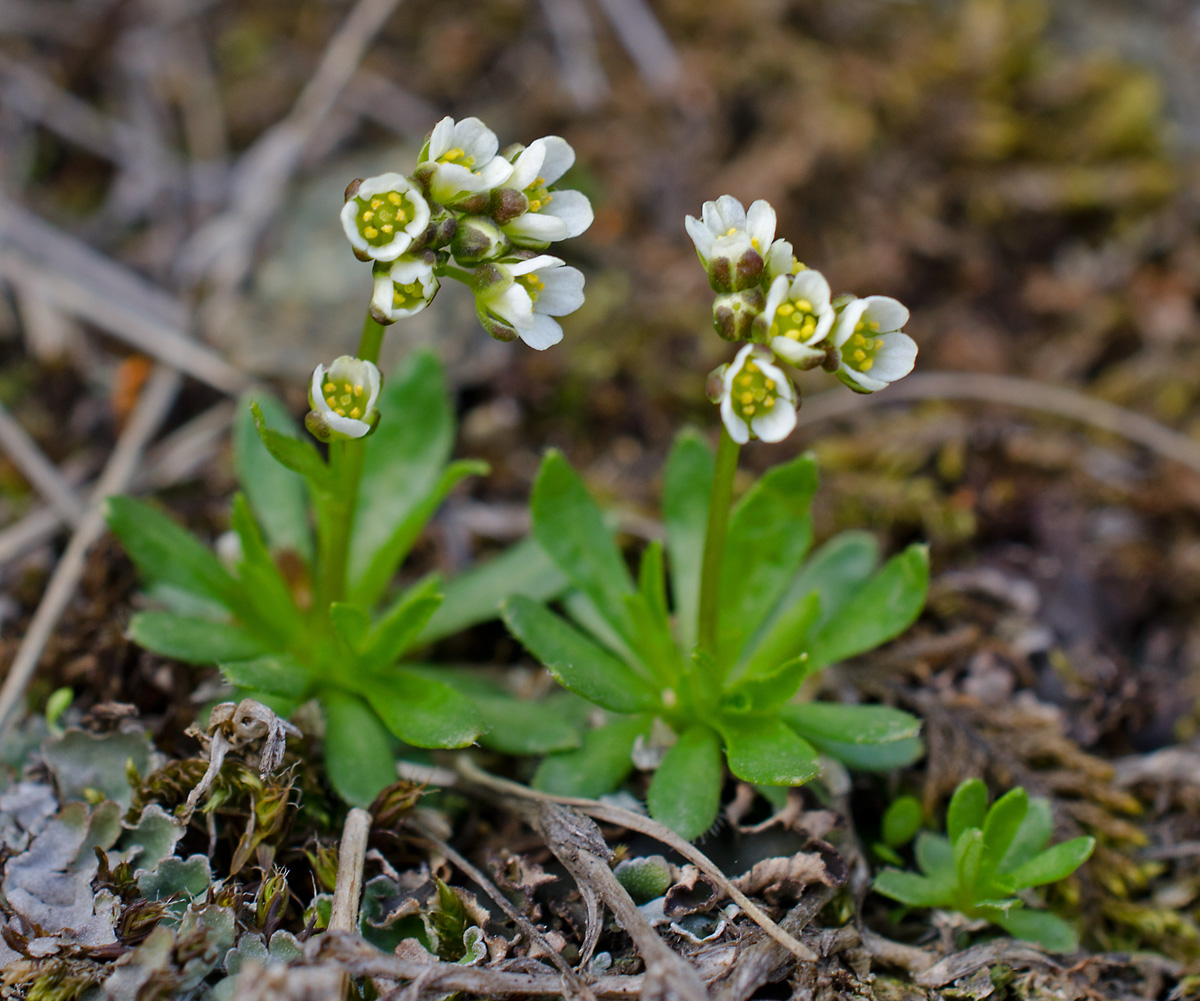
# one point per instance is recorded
(343, 398)
(797, 317)
(463, 159)
(732, 241)
(522, 298)
(404, 287)
(551, 215)
(874, 351)
(757, 398)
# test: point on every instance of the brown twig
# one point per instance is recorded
(352, 853)
(41, 473)
(152, 407)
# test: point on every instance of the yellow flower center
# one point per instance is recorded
(753, 392)
(346, 399)
(861, 347)
(533, 285)
(380, 216)
(539, 195)
(459, 156)
(406, 296)
(795, 319)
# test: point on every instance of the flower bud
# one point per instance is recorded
(506, 204)
(272, 898)
(478, 239)
(734, 313)
(731, 242)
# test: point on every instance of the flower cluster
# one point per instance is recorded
(788, 312)
(484, 216)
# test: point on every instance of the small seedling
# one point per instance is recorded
(987, 857)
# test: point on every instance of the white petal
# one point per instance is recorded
(889, 313)
(776, 424)
(574, 209)
(535, 228)
(527, 166)
(494, 173)
(476, 139)
(452, 180)
(441, 138)
(738, 429)
(896, 358)
(410, 269)
(533, 264)
(374, 384)
(348, 426)
(381, 296)
(794, 352)
(811, 285)
(774, 372)
(864, 380)
(779, 258)
(542, 333)
(349, 219)
(730, 213)
(701, 236)
(560, 157)
(390, 251)
(316, 399)
(563, 293)
(513, 305)
(382, 183)
(760, 224)
(847, 320)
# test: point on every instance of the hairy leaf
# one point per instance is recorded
(685, 793)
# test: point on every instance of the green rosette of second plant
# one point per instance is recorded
(256, 613)
(630, 646)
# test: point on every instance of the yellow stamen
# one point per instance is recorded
(768, 403)
(859, 355)
(775, 329)
(354, 412)
(748, 410)
(370, 232)
(376, 203)
(866, 366)
(347, 387)
(751, 367)
(804, 305)
(787, 309)
(387, 227)
(878, 345)
(331, 400)
(794, 334)
(747, 397)
(745, 380)
(358, 389)
(368, 216)
(329, 387)
(770, 384)
(394, 197)
(535, 205)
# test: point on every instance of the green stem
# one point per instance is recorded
(714, 541)
(346, 464)
(449, 271)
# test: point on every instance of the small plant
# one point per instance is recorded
(987, 857)
(301, 603)
(708, 673)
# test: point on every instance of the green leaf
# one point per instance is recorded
(598, 766)
(935, 856)
(1055, 863)
(835, 571)
(276, 673)
(1032, 836)
(685, 792)
(765, 692)
(901, 820)
(763, 749)
(886, 605)
(168, 554)
(968, 807)
(299, 455)
(1000, 827)
(652, 583)
(910, 888)
(399, 626)
(271, 609)
(193, 640)
(575, 661)
(571, 529)
(277, 495)
(687, 484)
(769, 535)
(850, 724)
(968, 851)
(784, 640)
(874, 757)
(351, 623)
(423, 712)
(1048, 930)
(475, 596)
(360, 754)
(391, 552)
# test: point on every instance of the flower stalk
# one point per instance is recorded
(719, 503)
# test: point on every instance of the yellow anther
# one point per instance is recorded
(538, 182)
(368, 216)
(358, 389)
(768, 403)
(548, 199)
(747, 397)
(804, 306)
(452, 154)
(748, 410)
(866, 366)
(798, 265)
(794, 334)
(398, 297)
(745, 380)
(331, 400)
(355, 412)
(387, 227)
(878, 345)
(394, 197)
(370, 232)
(859, 355)
(751, 367)
(376, 203)
(731, 231)
(769, 384)
(754, 242)
(535, 205)
(347, 387)
(401, 215)
(787, 309)
(470, 161)
(873, 325)
(329, 387)
(809, 325)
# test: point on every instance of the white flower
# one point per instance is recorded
(343, 399)
(874, 351)
(731, 242)
(403, 288)
(757, 398)
(521, 298)
(552, 215)
(797, 317)
(383, 216)
(780, 259)
(463, 155)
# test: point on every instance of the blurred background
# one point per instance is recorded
(1022, 174)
